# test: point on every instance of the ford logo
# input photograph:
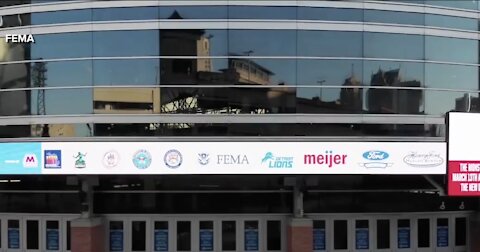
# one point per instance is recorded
(375, 155)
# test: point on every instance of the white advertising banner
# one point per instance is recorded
(243, 158)
(463, 155)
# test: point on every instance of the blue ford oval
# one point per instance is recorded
(375, 155)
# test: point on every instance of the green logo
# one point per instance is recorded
(80, 160)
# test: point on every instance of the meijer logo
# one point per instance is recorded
(30, 161)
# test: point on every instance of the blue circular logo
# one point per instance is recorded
(173, 159)
(142, 159)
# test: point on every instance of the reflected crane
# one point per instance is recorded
(39, 77)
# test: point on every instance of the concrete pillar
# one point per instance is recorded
(300, 235)
(88, 235)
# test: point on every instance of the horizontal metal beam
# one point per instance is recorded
(226, 119)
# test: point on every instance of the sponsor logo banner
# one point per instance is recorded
(223, 158)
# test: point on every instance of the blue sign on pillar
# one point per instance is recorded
(361, 238)
(251, 239)
(442, 236)
(319, 239)
(52, 239)
(116, 239)
(13, 238)
(403, 237)
(206, 239)
(161, 239)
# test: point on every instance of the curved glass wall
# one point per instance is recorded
(270, 60)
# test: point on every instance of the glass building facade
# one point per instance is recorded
(362, 70)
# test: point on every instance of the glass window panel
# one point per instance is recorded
(388, 101)
(451, 22)
(229, 100)
(362, 234)
(62, 74)
(184, 236)
(13, 234)
(330, 14)
(64, 102)
(197, 71)
(330, 72)
(52, 46)
(330, 44)
(461, 4)
(138, 235)
(442, 49)
(32, 234)
(206, 236)
(13, 52)
(264, 71)
(394, 17)
(442, 232)
(396, 46)
(116, 236)
(261, 12)
(451, 76)
(15, 20)
(251, 236)
(400, 74)
(229, 236)
(340, 234)
(383, 234)
(193, 42)
(58, 17)
(125, 13)
(52, 239)
(461, 231)
(262, 42)
(126, 43)
(441, 102)
(319, 235)
(423, 233)
(193, 12)
(126, 72)
(403, 234)
(161, 236)
(274, 235)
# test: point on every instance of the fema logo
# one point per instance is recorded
(142, 159)
(203, 158)
(173, 159)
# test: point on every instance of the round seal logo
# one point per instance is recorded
(173, 159)
(142, 159)
(111, 159)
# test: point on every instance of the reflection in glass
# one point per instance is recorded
(51, 46)
(125, 13)
(126, 43)
(193, 42)
(228, 100)
(262, 42)
(126, 72)
(59, 17)
(451, 49)
(329, 43)
(330, 14)
(451, 22)
(398, 74)
(394, 46)
(262, 12)
(451, 76)
(441, 102)
(193, 12)
(63, 102)
(126, 100)
(61, 73)
(394, 17)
